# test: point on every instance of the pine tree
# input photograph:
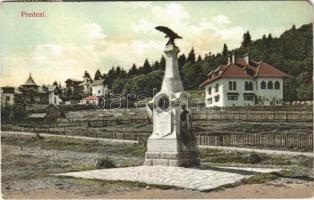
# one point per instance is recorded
(97, 75)
(86, 74)
(181, 61)
(225, 50)
(146, 67)
(133, 70)
(162, 63)
(246, 40)
(156, 66)
(191, 56)
(199, 58)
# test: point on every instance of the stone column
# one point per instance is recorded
(172, 82)
(172, 142)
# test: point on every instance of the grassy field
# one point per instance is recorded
(28, 165)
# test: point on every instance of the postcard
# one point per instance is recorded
(156, 100)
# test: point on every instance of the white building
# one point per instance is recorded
(87, 84)
(99, 88)
(244, 82)
(7, 95)
(53, 93)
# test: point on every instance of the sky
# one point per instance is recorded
(79, 36)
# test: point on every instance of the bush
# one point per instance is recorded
(104, 163)
(254, 158)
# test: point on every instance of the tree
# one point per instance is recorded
(146, 67)
(118, 85)
(156, 66)
(225, 50)
(191, 56)
(133, 70)
(86, 74)
(181, 61)
(199, 58)
(162, 63)
(246, 40)
(97, 75)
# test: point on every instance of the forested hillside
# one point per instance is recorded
(292, 52)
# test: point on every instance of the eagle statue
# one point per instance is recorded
(169, 34)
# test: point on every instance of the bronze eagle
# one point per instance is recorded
(169, 33)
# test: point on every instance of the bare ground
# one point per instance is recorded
(28, 165)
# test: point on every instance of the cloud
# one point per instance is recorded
(205, 35)
(59, 61)
(220, 19)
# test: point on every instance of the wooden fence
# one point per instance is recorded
(64, 131)
(298, 116)
(259, 140)
(281, 141)
(88, 123)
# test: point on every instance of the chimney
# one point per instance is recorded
(246, 58)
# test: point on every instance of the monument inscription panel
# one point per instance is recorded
(164, 123)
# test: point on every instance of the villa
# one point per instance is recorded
(244, 82)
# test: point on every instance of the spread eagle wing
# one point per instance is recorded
(165, 30)
(168, 32)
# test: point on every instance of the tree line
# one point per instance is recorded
(291, 52)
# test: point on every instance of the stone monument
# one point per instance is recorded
(172, 142)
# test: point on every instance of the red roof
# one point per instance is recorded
(241, 69)
(89, 98)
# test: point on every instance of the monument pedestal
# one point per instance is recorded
(172, 142)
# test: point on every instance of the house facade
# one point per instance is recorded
(87, 84)
(100, 88)
(31, 93)
(7, 95)
(244, 82)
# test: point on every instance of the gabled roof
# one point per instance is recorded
(98, 82)
(90, 98)
(242, 69)
(30, 81)
(54, 106)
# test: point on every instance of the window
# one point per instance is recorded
(263, 85)
(277, 85)
(216, 87)
(98, 91)
(209, 101)
(87, 102)
(217, 98)
(7, 98)
(55, 100)
(248, 85)
(232, 98)
(232, 85)
(248, 98)
(270, 85)
(209, 90)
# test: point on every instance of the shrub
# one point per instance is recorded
(105, 163)
(254, 158)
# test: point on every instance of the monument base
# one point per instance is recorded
(178, 159)
(165, 152)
